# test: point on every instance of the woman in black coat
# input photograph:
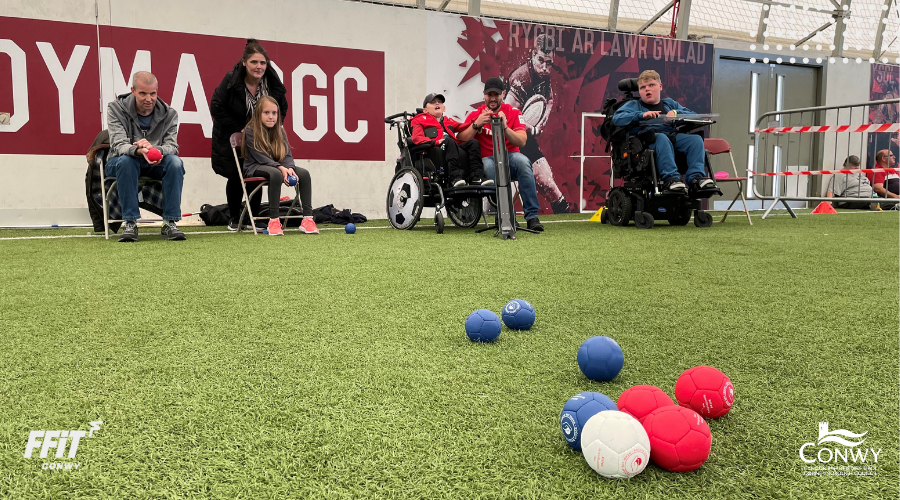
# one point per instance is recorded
(231, 108)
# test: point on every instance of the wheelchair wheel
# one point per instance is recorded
(702, 219)
(466, 212)
(643, 220)
(439, 223)
(404, 199)
(680, 217)
(620, 207)
(604, 217)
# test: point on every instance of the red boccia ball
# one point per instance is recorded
(153, 155)
(705, 390)
(640, 400)
(679, 438)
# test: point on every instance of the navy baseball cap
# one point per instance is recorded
(431, 97)
(494, 84)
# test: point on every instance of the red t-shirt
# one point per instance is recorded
(423, 121)
(484, 137)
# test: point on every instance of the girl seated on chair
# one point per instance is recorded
(267, 154)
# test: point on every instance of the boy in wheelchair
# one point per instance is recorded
(642, 115)
(460, 158)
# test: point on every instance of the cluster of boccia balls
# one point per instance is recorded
(618, 438)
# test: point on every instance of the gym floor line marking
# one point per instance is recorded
(195, 233)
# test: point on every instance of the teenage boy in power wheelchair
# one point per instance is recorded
(433, 168)
(651, 147)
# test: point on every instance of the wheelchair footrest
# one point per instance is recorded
(706, 193)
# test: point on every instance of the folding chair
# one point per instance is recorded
(721, 146)
(237, 141)
(149, 189)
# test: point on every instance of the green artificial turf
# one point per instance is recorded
(336, 366)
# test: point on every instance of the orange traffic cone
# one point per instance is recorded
(824, 208)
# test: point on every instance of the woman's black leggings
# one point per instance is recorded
(276, 180)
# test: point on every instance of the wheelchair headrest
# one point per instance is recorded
(628, 85)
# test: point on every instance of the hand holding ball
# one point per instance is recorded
(292, 180)
(153, 155)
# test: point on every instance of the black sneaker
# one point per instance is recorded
(561, 206)
(703, 184)
(171, 232)
(130, 233)
(535, 225)
(233, 225)
(458, 182)
(674, 184)
(487, 182)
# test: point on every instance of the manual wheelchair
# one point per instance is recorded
(640, 197)
(417, 183)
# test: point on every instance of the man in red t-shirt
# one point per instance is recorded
(886, 185)
(477, 125)
(459, 157)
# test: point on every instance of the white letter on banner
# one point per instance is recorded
(112, 80)
(19, 114)
(340, 126)
(189, 76)
(277, 70)
(65, 81)
(319, 102)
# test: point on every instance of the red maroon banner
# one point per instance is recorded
(885, 84)
(50, 83)
(563, 75)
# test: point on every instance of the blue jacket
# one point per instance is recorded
(632, 112)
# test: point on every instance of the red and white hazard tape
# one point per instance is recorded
(833, 172)
(875, 127)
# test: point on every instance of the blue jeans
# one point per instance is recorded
(519, 170)
(689, 144)
(126, 169)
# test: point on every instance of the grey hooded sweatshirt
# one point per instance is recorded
(124, 131)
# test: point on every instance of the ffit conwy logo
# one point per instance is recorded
(59, 440)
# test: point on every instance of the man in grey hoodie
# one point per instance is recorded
(139, 122)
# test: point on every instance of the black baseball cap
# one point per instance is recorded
(494, 84)
(433, 96)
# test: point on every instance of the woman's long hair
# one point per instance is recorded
(268, 141)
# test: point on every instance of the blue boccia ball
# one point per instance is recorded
(292, 180)
(350, 228)
(518, 315)
(600, 358)
(578, 410)
(483, 326)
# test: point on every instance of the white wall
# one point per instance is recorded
(30, 194)
(845, 84)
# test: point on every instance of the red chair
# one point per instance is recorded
(721, 146)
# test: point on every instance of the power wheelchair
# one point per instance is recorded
(418, 183)
(641, 197)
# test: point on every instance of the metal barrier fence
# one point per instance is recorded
(793, 148)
